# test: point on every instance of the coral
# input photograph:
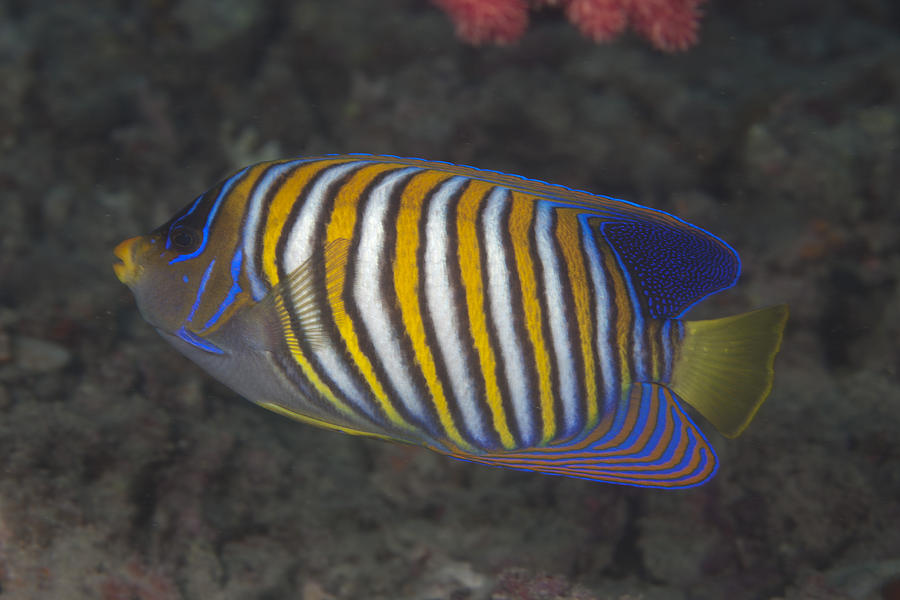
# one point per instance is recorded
(497, 21)
(600, 20)
(670, 25)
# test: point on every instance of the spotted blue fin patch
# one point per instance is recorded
(671, 268)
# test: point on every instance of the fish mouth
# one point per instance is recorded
(125, 268)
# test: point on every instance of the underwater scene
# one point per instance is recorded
(450, 299)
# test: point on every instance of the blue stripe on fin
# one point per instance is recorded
(195, 340)
(664, 450)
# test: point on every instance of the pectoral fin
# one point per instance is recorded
(296, 298)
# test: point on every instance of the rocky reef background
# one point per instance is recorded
(126, 473)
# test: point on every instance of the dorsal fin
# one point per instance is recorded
(671, 267)
(672, 264)
(559, 195)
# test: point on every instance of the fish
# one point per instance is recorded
(489, 317)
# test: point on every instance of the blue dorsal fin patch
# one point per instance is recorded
(671, 267)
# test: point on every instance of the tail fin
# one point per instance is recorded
(724, 366)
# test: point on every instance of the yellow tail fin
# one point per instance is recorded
(724, 366)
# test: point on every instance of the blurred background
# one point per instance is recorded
(126, 473)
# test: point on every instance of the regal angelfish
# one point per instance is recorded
(486, 316)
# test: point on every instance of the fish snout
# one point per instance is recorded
(125, 267)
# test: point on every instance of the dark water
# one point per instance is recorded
(127, 473)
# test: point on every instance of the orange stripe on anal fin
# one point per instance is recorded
(635, 407)
(687, 455)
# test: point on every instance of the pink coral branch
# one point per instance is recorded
(670, 25)
(480, 21)
(600, 20)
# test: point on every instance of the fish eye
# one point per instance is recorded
(184, 239)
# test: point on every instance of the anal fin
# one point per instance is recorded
(323, 423)
(649, 442)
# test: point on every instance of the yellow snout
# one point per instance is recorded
(126, 269)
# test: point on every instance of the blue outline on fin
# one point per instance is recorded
(198, 342)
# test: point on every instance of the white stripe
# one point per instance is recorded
(299, 249)
(563, 347)
(637, 351)
(665, 335)
(439, 303)
(601, 300)
(367, 293)
(641, 359)
(252, 224)
(299, 246)
(500, 301)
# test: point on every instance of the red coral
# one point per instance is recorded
(669, 25)
(600, 20)
(479, 21)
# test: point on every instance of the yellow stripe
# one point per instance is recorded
(343, 221)
(280, 208)
(293, 345)
(470, 267)
(406, 282)
(519, 226)
(568, 233)
(282, 410)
